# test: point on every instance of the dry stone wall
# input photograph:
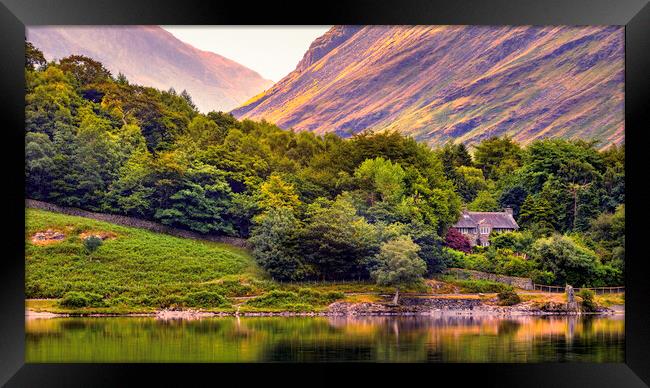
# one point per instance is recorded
(136, 223)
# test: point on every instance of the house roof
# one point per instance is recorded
(501, 220)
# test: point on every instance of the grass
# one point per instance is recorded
(301, 301)
(477, 286)
(609, 300)
(137, 270)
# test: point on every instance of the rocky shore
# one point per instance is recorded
(407, 306)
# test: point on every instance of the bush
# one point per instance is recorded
(82, 299)
(303, 300)
(508, 298)
(542, 277)
(482, 286)
(588, 304)
(91, 243)
(171, 301)
(205, 299)
(456, 240)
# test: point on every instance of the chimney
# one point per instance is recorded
(508, 210)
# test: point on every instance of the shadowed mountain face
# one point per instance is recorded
(455, 82)
(151, 56)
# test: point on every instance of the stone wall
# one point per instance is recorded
(460, 273)
(136, 223)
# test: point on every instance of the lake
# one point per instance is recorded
(324, 339)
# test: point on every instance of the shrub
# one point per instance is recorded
(588, 304)
(508, 298)
(483, 286)
(91, 243)
(456, 240)
(303, 300)
(542, 277)
(570, 262)
(78, 299)
(171, 301)
(205, 299)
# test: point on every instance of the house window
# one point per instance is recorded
(485, 230)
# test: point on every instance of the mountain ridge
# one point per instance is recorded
(152, 56)
(464, 83)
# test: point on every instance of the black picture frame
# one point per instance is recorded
(633, 14)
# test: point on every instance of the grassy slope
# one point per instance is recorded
(137, 269)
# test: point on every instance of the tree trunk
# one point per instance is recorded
(396, 298)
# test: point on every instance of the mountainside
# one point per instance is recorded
(151, 56)
(455, 82)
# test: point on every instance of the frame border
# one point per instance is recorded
(634, 14)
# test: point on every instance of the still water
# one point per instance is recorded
(318, 339)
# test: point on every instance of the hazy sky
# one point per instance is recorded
(272, 51)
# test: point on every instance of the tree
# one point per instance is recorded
(34, 58)
(454, 156)
(336, 240)
(469, 182)
(381, 179)
(569, 262)
(497, 156)
(275, 193)
(456, 240)
(51, 101)
(513, 197)
(201, 132)
(484, 202)
(608, 232)
(398, 263)
(275, 240)
(199, 203)
(39, 165)
(84, 70)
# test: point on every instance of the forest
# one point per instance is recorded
(370, 206)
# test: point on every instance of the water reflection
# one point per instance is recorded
(269, 339)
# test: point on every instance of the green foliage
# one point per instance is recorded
(515, 241)
(482, 286)
(33, 57)
(571, 263)
(470, 182)
(398, 262)
(508, 298)
(91, 243)
(205, 299)
(275, 240)
(303, 300)
(484, 202)
(77, 299)
(607, 232)
(497, 157)
(337, 241)
(275, 193)
(588, 304)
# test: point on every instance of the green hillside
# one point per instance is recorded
(135, 269)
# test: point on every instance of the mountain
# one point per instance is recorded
(467, 83)
(151, 56)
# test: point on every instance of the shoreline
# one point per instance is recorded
(339, 309)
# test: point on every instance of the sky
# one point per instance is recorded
(272, 51)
